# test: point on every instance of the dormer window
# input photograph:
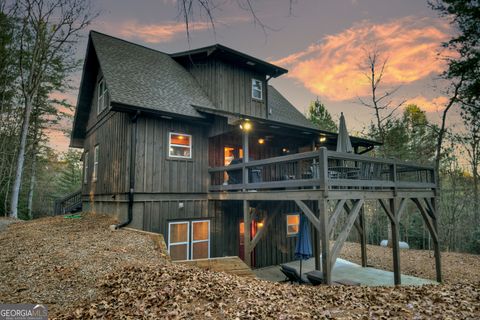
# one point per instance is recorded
(102, 96)
(257, 89)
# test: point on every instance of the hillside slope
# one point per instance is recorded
(83, 270)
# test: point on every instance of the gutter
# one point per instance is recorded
(133, 146)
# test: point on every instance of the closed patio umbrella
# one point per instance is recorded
(303, 250)
(343, 141)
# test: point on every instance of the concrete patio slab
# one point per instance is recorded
(343, 270)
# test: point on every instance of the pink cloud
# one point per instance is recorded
(164, 32)
(428, 105)
(335, 67)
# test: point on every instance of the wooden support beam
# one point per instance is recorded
(247, 225)
(324, 240)
(363, 237)
(432, 228)
(261, 232)
(427, 219)
(430, 208)
(309, 214)
(336, 213)
(387, 210)
(401, 209)
(356, 223)
(436, 245)
(395, 245)
(337, 247)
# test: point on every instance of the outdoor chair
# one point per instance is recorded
(315, 277)
(293, 275)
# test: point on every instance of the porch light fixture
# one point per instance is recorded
(285, 150)
(322, 139)
(246, 125)
(261, 141)
(260, 224)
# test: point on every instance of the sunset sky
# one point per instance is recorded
(323, 44)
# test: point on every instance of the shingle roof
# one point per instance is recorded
(141, 77)
(283, 111)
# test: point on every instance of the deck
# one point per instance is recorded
(318, 181)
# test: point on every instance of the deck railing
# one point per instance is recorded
(323, 170)
(69, 203)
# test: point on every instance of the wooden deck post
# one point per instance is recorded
(395, 244)
(245, 157)
(246, 233)
(436, 244)
(363, 236)
(325, 240)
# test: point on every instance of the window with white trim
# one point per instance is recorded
(179, 240)
(101, 96)
(95, 163)
(85, 167)
(180, 145)
(200, 239)
(189, 240)
(257, 89)
(293, 223)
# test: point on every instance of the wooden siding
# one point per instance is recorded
(156, 172)
(229, 86)
(112, 136)
(93, 118)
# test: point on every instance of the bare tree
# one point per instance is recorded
(190, 10)
(47, 33)
(381, 101)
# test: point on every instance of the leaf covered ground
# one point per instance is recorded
(82, 270)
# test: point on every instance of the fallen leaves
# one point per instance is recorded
(82, 270)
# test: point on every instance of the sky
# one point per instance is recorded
(323, 43)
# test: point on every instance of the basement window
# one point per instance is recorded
(180, 145)
(293, 222)
(101, 96)
(257, 89)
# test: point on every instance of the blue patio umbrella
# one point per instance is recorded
(303, 249)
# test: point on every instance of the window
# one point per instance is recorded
(102, 96)
(180, 145)
(189, 240)
(200, 239)
(178, 240)
(85, 168)
(293, 222)
(95, 163)
(257, 91)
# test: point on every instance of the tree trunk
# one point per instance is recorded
(21, 158)
(32, 183)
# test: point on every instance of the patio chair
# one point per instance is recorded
(293, 275)
(315, 277)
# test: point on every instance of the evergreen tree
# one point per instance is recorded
(319, 115)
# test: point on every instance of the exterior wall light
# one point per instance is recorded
(246, 125)
(322, 139)
(261, 141)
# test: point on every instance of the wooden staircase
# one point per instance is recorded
(68, 204)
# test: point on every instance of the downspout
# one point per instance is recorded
(133, 146)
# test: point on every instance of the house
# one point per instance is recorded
(198, 146)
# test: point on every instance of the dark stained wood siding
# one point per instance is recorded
(155, 172)
(112, 136)
(93, 118)
(229, 86)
